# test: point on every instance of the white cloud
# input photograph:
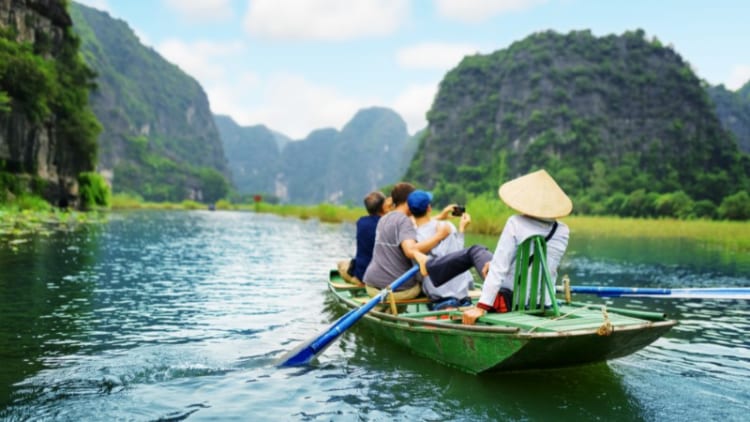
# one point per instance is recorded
(413, 105)
(287, 103)
(202, 10)
(472, 11)
(333, 20)
(435, 56)
(199, 59)
(739, 76)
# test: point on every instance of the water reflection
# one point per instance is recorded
(173, 315)
(42, 303)
(389, 376)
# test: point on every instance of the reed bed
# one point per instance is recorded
(731, 235)
(489, 214)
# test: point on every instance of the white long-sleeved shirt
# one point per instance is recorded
(517, 229)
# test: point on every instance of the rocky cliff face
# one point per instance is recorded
(159, 139)
(733, 109)
(602, 114)
(33, 144)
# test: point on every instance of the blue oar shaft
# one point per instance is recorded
(705, 293)
(307, 353)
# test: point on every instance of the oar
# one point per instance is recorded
(683, 293)
(307, 351)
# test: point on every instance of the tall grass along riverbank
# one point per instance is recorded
(488, 217)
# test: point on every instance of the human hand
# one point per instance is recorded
(485, 270)
(446, 212)
(465, 221)
(470, 316)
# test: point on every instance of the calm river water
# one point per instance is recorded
(181, 315)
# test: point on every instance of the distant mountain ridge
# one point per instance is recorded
(253, 155)
(608, 116)
(159, 139)
(371, 151)
(733, 109)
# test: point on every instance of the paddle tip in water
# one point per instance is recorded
(301, 355)
(307, 351)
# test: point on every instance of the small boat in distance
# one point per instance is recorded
(579, 334)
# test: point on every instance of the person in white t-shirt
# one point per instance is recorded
(455, 292)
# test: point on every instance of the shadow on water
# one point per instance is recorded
(390, 382)
(42, 300)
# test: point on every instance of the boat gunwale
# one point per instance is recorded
(447, 328)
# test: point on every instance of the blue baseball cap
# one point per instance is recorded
(418, 201)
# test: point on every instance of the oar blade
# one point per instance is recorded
(304, 353)
(308, 350)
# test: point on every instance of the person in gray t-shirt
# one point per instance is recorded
(396, 245)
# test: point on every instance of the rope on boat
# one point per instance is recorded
(604, 330)
(392, 301)
(566, 287)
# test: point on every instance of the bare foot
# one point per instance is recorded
(422, 261)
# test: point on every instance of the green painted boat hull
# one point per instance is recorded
(511, 341)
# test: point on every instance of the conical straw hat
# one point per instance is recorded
(536, 195)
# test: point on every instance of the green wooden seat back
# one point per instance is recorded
(532, 280)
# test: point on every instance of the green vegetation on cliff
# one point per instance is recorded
(47, 127)
(621, 122)
(159, 139)
(49, 89)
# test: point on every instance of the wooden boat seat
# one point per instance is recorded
(532, 280)
(347, 286)
(473, 294)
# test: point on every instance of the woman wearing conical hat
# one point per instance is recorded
(540, 202)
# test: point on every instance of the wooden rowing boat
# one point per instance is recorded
(580, 334)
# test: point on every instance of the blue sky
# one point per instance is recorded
(300, 65)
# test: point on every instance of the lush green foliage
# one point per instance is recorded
(157, 178)
(4, 102)
(489, 215)
(159, 137)
(18, 189)
(44, 88)
(45, 85)
(621, 122)
(93, 191)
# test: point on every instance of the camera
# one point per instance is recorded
(458, 210)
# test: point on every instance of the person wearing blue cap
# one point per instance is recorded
(395, 247)
(455, 292)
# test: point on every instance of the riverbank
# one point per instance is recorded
(488, 217)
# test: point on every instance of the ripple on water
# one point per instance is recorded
(183, 315)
